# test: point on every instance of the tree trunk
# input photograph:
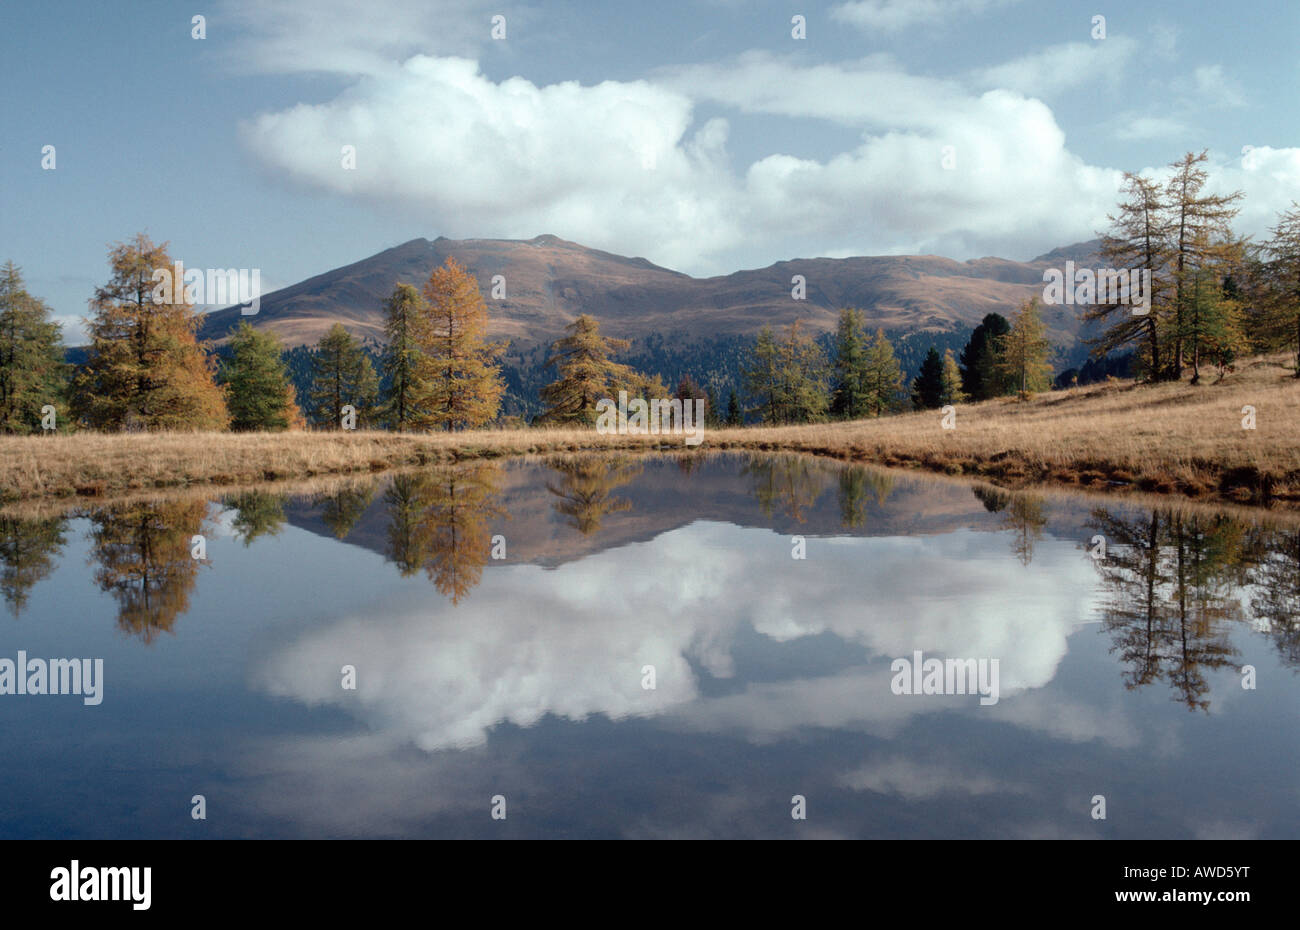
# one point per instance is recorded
(1155, 351)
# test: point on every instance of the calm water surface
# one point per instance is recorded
(522, 676)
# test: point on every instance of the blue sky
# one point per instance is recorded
(703, 136)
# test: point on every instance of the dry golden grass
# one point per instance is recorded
(93, 464)
(1166, 439)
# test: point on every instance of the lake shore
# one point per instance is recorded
(1169, 439)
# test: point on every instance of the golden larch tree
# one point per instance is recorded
(464, 386)
(588, 374)
(146, 369)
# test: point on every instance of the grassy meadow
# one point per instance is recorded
(1171, 438)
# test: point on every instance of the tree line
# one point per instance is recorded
(1213, 297)
(790, 378)
(146, 370)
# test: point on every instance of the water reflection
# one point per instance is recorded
(1276, 603)
(1172, 583)
(439, 521)
(1173, 590)
(859, 487)
(256, 514)
(28, 553)
(790, 484)
(342, 508)
(524, 674)
(586, 489)
(1024, 516)
(143, 555)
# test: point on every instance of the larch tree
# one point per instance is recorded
(803, 364)
(586, 374)
(1195, 223)
(33, 375)
(145, 369)
(1138, 242)
(464, 386)
(1279, 313)
(405, 366)
(950, 380)
(341, 376)
(849, 399)
(788, 377)
(882, 376)
(1023, 352)
(1211, 327)
(259, 393)
(762, 378)
(688, 390)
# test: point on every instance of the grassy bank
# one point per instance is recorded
(1174, 439)
(1166, 439)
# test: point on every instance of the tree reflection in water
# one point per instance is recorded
(143, 557)
(1176, 583)
(439, 521)
(28, 553)
(795, 482)
(586, 489)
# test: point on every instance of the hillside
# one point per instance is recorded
(550, 281)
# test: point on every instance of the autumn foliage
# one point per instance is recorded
(146, 370)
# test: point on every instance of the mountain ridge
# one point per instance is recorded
(548, 281)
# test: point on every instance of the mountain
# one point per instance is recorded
(550, 281)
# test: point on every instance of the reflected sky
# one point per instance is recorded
(522, 675)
